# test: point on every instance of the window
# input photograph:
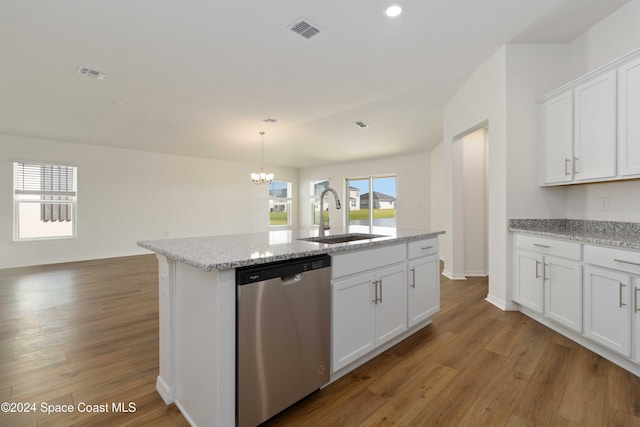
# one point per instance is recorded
(372, 203)
(44, 199)
(279, 204)
(317, 187)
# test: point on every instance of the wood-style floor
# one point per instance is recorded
(87, 332)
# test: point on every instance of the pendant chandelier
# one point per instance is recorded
(262, 177)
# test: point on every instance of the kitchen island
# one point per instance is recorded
(197, 297)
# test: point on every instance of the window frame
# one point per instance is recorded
(288, 202)
(315, 199)
(371, 179)
(22, 196)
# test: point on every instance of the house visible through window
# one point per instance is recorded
(44, 201)
(279, 204)
(372, 203)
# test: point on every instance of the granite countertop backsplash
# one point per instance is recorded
(611, 233)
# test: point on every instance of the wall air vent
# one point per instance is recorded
(91, 73)
(304, 29)
(361, 125)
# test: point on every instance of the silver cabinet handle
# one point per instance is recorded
(566, 166)
(635, 300)
(537, 273)
(426, 248)
(621, 304)
(544, 271)
(375, 298)
(380, 282)
(413, 275)
(541, 246)
(627, 262)
(575, 165)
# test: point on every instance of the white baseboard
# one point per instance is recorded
(501, 304)
(451, 276)
(476, 273)
(167, 393)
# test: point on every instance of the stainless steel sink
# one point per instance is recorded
(342, 238)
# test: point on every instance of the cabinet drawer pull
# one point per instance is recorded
(566, 166)
(537, 273)
(426, 248)
(541, 246)
(635, 300)
(380, 283)
(621, 304)
(544, 271)
(627, 262)
(413, 275)
(575, 165)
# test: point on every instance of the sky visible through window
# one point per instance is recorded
(382, 185)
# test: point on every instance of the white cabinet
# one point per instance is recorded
(608, 309)
(628, 123)
(353, 321)
(556, 116)
(391, 303)
(563, 292)
(548, 279)
(424, 288)
(594, 148)
(369, 305)
(529, 285)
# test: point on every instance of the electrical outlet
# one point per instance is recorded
(604, 204)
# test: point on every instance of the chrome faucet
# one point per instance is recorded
(321, 231)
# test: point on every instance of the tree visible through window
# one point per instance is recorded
(44, 201)
(372, 203)
(279, 203)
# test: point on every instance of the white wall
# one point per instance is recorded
(412, 187)
(480, 102)
(474, 177)
(604, 42)
(125, 196)
(438, 191)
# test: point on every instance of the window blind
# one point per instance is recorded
(53, 185)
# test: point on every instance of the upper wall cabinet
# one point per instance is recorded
(594, 143)
(628, 118)
(588, 128)
(556, 115)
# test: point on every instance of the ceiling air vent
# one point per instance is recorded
(304, 29)
(361, 125)
(91, 73)
(270, 120)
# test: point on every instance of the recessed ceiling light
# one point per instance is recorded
(393, 10)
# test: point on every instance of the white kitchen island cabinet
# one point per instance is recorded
(197, 307)
(423, 281)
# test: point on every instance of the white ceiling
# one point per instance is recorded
(197, 77)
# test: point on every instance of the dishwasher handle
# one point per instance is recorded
(289, 280)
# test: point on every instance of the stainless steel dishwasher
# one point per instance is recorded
(283, 335)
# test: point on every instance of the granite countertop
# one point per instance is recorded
(610, 233)
(238, 250)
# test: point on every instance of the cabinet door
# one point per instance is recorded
(636, 317)
(556, 118)
(607, 309)
(594, 147)
(391, 309)
(529, 286)
(628, 123)
(563, 292)
(352, 319)
(424, 288)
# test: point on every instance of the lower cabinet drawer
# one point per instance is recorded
(422, 248)
(569, 250)
(617, 259)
